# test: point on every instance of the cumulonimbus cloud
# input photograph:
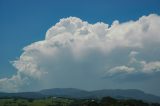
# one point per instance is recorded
(74, 48)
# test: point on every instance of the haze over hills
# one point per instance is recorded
(79, 94)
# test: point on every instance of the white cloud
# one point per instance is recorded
(151, 66)
(145, 67)
(135, 66)
(74, 47)
(12, 84)
(120, 70)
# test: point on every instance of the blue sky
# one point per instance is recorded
(23, 22)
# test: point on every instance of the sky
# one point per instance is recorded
(86, 44)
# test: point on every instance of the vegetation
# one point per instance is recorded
(53, 101)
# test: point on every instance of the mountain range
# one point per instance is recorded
(83, 94)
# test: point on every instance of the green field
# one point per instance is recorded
(35, 102)
(52, 101)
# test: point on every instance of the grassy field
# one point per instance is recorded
(36, 102)
(107, 101)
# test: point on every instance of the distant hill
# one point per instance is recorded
(33, 95)
(77, 93)
(66, 92)
(126, 94)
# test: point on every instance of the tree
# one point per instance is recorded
(108, 101)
